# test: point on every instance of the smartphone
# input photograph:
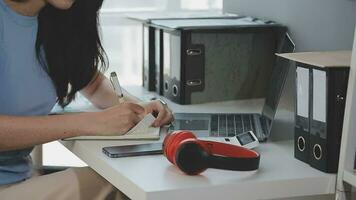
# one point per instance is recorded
(133, 150)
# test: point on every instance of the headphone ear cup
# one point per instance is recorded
(167, 143)
(172, 142)
(191, 158)
(176, 142)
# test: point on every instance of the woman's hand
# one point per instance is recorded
(164, 114)
(116, 120)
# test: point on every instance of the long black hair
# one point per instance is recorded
(68, 46)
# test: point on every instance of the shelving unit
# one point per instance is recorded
(349, 177)
(346, 178)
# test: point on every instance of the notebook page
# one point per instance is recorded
(142, 131)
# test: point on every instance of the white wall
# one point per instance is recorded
(314, 24)
(137, 5)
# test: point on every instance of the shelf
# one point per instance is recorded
(350, 177)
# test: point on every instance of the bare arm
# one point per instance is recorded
(102, 95)
(22, 132)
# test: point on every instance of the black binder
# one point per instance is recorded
(325, 134)
(152, 68)
(302, 107)
(208, 60)
(158, 84)
(149, 51)
(320, 132)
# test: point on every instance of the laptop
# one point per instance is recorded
(232, 124)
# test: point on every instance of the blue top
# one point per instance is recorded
(25, 87)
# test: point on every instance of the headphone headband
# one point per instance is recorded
(231, 157)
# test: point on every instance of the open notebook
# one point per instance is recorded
(142, 131)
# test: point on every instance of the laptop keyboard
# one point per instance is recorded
(229, 125)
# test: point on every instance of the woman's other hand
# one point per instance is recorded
(161, 111)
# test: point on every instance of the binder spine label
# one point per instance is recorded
(319, 95)
(303, 92)
(319, 106)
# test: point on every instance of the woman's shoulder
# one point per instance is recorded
(1, 26)
(2, 52)
(1, 36)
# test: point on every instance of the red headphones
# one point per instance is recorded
(194, 156)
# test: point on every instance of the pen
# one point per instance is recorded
(116, 85)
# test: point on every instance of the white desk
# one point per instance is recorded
(154, 178)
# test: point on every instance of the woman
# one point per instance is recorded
(49, 51)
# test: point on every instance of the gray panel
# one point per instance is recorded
(242, 60)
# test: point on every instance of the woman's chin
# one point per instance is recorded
(61, 4)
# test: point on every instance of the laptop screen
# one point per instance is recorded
(278, 78)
